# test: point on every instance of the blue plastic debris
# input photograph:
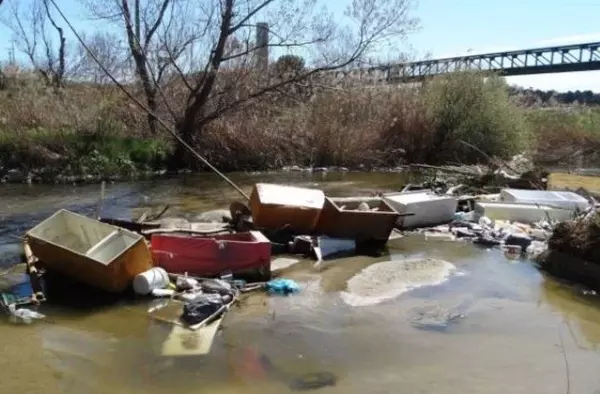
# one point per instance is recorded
(20, 293)
(282, 286)
(239, 283)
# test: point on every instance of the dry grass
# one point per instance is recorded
(560, 180)
(351, 128)
(579, 238)
(567, 138)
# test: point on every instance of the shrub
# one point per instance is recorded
(468, 107)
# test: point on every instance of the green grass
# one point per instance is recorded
(70, 153)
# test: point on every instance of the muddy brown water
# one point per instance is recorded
(494, 326)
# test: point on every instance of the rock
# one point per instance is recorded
(462, 232)
(338, 169)
(204, 227)
(517, 239)
(16, 176)
(363, 206)
(291, 168)
(45, 154)
(486, 240)
(174, 223)
(215, 216)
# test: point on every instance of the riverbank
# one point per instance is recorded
(49, 177)
(89, 133)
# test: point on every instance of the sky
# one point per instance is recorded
(457, 27)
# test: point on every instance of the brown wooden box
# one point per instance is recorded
(95, 253)
(350, 223)
(274, 206)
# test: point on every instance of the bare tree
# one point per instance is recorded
(146, 26)
(209, 46)
(30, 27)
(109, 50)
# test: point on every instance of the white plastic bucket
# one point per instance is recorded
(155, 278)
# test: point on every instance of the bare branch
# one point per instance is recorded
(159, 19)
(261, 92)
(29, 29)
(140, 60)
(249, 16)
(106, 48)
(201, 91)
(59, 73)
(173, 61)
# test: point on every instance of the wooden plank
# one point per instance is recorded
(182, 340)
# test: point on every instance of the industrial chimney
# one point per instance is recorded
(262, 43)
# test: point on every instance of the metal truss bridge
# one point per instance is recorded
(557, 59)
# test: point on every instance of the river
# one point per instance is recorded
(494, 326)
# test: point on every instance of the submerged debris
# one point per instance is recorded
(436, 317)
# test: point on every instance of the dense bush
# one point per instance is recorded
(465, 107)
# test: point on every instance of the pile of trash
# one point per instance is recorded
(580, 237)
(198, 270)
(574, 250)
(514, 238)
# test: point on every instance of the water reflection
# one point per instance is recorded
(581, 313)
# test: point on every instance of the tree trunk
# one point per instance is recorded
(182, 158)
(140, 60)
(152, 105)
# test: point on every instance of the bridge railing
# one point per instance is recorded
(566, 58)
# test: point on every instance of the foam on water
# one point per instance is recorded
(386, 280)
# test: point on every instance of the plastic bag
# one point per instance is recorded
(201, 309)
(23, 315)
(282, 286)
(216, 286)
(185, 283)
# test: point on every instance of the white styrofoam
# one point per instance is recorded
(558, 199)
(429, 208)
(524, 213)
(290, 195)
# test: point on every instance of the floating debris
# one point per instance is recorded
(282, 286)
(387, 280)
(23, 315)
